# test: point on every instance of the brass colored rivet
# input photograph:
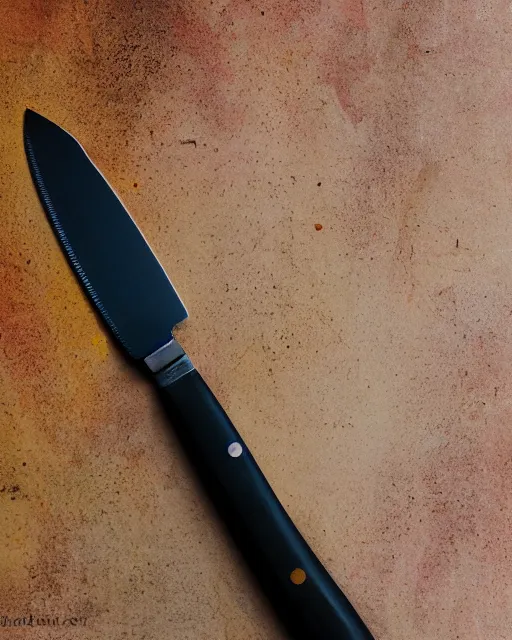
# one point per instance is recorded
(298, 576)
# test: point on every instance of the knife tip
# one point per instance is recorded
(31, 117)
(38, 128)
(34, 122)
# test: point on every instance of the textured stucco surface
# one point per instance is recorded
(340, 233)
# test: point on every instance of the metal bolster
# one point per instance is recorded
(176, 371)
(169, 363)
(164, 356)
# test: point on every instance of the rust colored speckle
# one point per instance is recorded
(318, 226)
(135, 185)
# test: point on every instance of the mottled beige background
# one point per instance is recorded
(368, 363)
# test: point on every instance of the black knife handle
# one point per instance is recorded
(304, 595)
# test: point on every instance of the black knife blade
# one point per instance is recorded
(125, 281)
(117, 268)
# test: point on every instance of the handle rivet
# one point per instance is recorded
(235, 450)
(298, 576)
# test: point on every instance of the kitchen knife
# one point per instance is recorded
(131, 291)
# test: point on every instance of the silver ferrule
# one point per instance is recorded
(169, 363)
(164, 356)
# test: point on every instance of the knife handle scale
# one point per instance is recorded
(306, 598)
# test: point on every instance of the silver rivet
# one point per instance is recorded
(235, 449)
